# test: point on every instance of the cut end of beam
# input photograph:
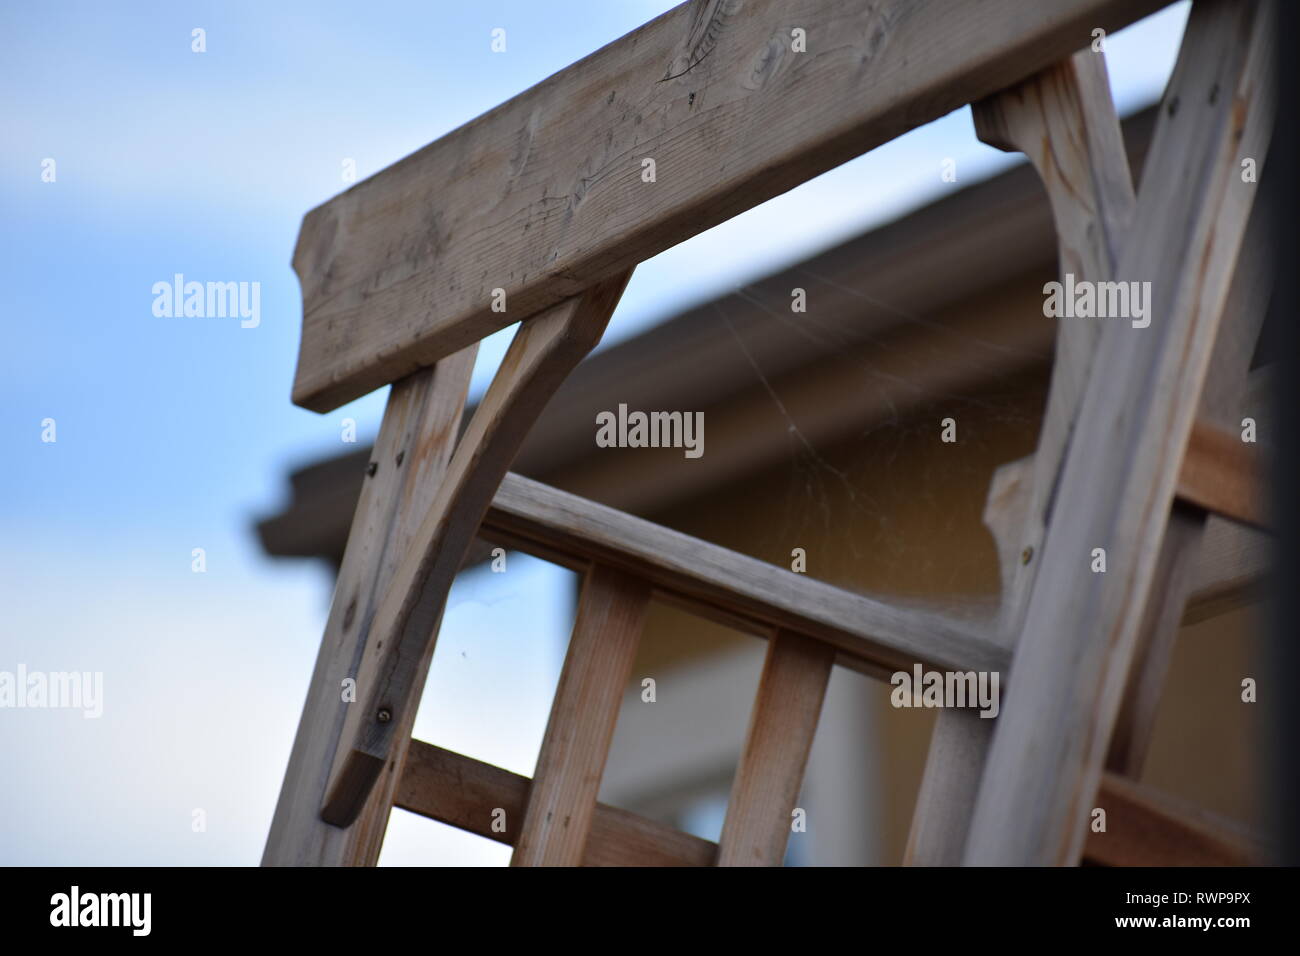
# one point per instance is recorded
(348, 793)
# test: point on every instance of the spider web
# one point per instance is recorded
(837, 497)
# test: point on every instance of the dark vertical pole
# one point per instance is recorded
(1283, 163)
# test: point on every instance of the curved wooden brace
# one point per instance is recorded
(404, 630)
(1064, 120)
(1081, 630)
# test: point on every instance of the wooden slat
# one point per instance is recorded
(1075, 648)
(872, 636)
(410, 457)
(543, 196)
(1064, 121)
(1147, 828)
(562, 801)
(1224, 475)
(941, 817)
(464, 792)
(544, 351)
(780, 737)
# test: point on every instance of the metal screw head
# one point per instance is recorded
(384, 715)
(372, 468)
(1027, 554)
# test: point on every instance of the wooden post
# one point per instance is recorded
(562, 801)
(1078, 638)
(1063, 119)
(781, 730)
(409, 460)
(1221, 405)
(544, 351)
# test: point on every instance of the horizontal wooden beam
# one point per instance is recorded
(549, 192)
(1143, 827)
(573, 531)
(1223, 475)
(466, 794)
(1147, 828)
(983, 259)
(870, 635)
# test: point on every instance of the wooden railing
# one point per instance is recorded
(556, 820)
(541, 204)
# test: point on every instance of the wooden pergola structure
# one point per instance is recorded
(541, 202)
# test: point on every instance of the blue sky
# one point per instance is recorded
(174, 434)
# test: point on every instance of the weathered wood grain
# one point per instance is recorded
(410, 457)
(1122, 465)
(404, 632)
(1144, 828)
(464, 792)
(1219, 473)
(543, 195)
(769, 776)
(1148, 828)
(1157, 635)
(562, 799)
(870, 635)
(1224, 475)
(1064, 121)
